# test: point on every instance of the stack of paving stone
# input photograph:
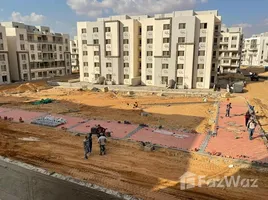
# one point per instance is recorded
(49, 121)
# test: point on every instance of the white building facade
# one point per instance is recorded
(74, 54)
(4, 61)
(255, 50)
(36, 53)
(230, 49)
(179, 47)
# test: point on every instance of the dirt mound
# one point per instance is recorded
(26, 87)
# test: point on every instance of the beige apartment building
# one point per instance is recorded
(179, 47)
(36, 53)
(74, 54)
(231, 41)
(4, 61)
(255, 50)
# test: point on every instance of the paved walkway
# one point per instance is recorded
(231, 141)
(232, 138)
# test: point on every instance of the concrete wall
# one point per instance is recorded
(30, 183)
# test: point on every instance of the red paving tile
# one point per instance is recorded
(118, 130)
(188, 141)
(4, 109)
(71, 121)
(27, 116)
(230, 128)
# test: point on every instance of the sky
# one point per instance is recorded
(62, 15)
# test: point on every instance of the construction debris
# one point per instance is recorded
(49, 121)
(94, 89)
(105, 89)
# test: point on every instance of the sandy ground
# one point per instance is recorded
(169, 112)
(126, 167)
(258, 96)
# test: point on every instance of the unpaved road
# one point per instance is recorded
(126, 167)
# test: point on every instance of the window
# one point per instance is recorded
(108, 77)
(1, 36)
(84, 30)
(96, 53)
(234, 38)
(215, 40)
(2, 57)
(180, 53)
(85, 53)
(60, 48)
(33, 56)
(108, 53)
(164, 80)
(181, 40)
(140, 30)
(166, 26)
(203, 26)
(23, 57)
(220, 39)
(214, 54)
(61, 56)
(39, 74)
(96, 64)
(85, 64)
(149, 41)
(213, 68)
(84, 42)
(225, 61)
(165, 40)
(150, 28)
(126, 64)
(32, 47)
(226, 39)
(40, 56)
(165, 53)
(107, 29)
(182, 25)
(126, 76)
(164, 66)
(180, 66)
(233, 46)
(95, 41)
(202, 39)
(149, 53)
(108, 64)
(212, 79)
(108, 41)
(86, 74)
(66, 41)
(95, 30)
(125, 41)
(39, 47)
(149, 65)
(199, 79)
(149, 78)
(1, 46)
(4, 78)
(24, 66)
(3, 68)
(216, 28)
(22, 47)
(97, 76)
(125, 53)
(125, 29)
(21, 37)
(201, 53)
(67, 56)
(200, 66)
(179, 80)
(33, 75)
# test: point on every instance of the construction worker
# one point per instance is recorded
(86, 147)
(247, 117)
(102, 141)
(228, 108)
(90, 142)
(251, 127)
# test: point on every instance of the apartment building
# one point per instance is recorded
(180, 46)
(255, 50)
(74, 54)
(36, 53)
(4, 61)
(231, 40)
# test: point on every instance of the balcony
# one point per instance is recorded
(108, 47)
(126, 70)
(149, 71)
(108, 35)
(201, 59)
(125, 47)
(46, 59)
(126, 58)
(166, 33)
(149, 58)
(96, 58)
(149, 82)
(165, 47)
(164, 71)
(125, 35)
(109, 70)
(97, 70)
(180, 73)
(126, 81)
(149, 34)
(200, 72)
(202, 45)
